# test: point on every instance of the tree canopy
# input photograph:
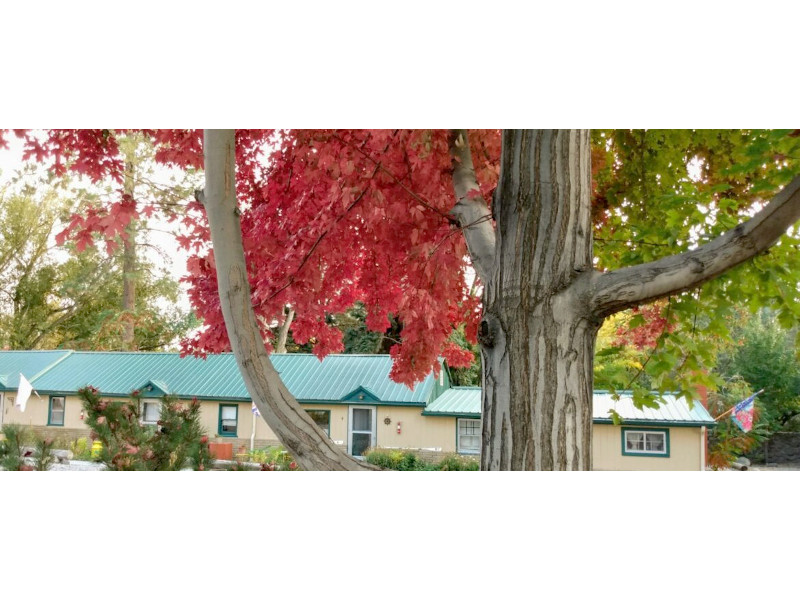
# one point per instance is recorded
(332, 217)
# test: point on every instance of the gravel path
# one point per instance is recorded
(78, 465)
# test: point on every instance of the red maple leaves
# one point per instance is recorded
(328, 217)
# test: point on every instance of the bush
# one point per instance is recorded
(81, 450)
(275, 458)
(16, 447)
(176, 442)
(405, 460)
(11, 447)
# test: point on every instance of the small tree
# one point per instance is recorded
(176, 442)
(12, 447)
(19, 443)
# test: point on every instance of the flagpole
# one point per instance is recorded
(255, 414)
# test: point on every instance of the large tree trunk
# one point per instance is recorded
(307, 443)
(537, 335)
(543, 301)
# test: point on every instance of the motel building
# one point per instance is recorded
(349, 396)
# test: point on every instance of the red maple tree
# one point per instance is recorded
(328, 217)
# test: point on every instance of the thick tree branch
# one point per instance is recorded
(471, 211)
(632, 286)
(306, 442)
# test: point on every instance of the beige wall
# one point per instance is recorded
(417, 432)
(36, 411)
(685, 451)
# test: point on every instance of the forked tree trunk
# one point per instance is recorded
(537, 336)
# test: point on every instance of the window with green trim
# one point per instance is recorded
(228, 419)
(55, 413)
(645, 442)
(322, 418)
(468, 436)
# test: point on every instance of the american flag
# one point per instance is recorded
(743, 412)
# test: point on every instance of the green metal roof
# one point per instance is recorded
(31, 363)
(217, 376)
(466, 402)
(457, 401)
(673, 410)
(340, 374)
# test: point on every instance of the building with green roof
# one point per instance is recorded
(349, 396)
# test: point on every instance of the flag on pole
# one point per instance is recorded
(743, 412)
(255, 410)
(23, 393)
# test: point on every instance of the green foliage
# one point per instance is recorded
(18, 443)
(726, 441)
(176, 442)
(81, 450)
(12, 447)
(405, 460)
(43, 458)
(275, 458)
(63, 298)
(659, 192)
(472, 374)
(764, 356)
(357, 339)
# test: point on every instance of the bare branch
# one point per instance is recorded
(632, 286)
(471, 210)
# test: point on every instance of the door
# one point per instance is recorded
(362, 428)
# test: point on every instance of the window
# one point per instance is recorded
(151, 412)
(322, 418)
(55, 415)
(468, 436)
(645, 442)
(228, 419)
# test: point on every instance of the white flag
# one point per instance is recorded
(254, 409)
(24, 392)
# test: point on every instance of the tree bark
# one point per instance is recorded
(129, 265)
(537, 335)
(283, 334)
(308, 444)
(543, 301)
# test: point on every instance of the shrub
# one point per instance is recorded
(12, 447)
(454, 462)
(278, 459)
(16, 447)
(81, 450)
(176, 442)
(405, 460)
(43, 458)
